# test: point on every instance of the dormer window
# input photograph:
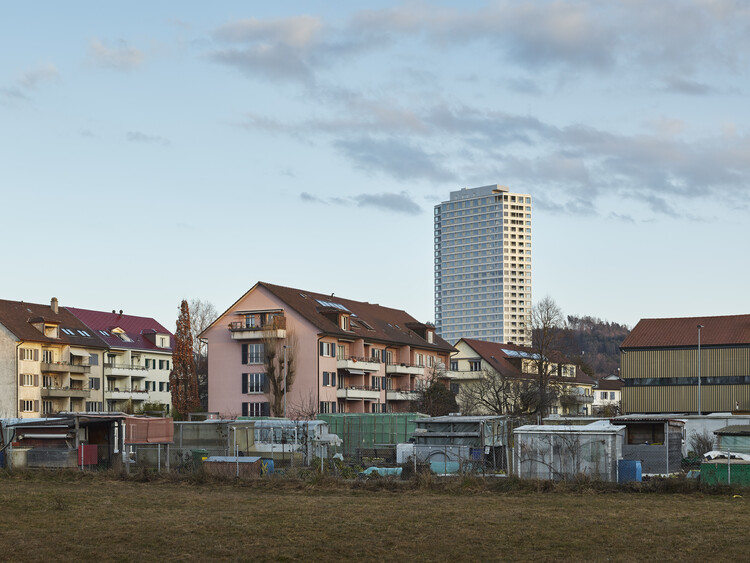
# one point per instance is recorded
(51, 331)
(119, 333)
(162, 341)
(430, 336)
(344, 322)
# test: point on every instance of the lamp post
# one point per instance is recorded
(284, 380)
(699, 369)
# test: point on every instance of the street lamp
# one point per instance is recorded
(699, 369)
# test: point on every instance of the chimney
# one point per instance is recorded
(121, 312)
(53, 305)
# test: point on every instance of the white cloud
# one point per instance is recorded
(120, 57)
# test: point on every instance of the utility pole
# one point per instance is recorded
(699, 369)
(285, 381)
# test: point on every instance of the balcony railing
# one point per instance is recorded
(76, 393)
(356, 392)
(241, 330)
(402, 394)
(358, 362)
(65, 367)
(122, 393)
(404, 369)
(133, 370)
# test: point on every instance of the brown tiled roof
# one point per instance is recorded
(609, 384)
(15, 316)
(138, 329)
(497, 356)
(682, 332)
(387, 324)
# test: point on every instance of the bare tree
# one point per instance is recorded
(435, 399)
(202, 314)
(546, 325)
(273, 360)
(492, 393)
(305, 409)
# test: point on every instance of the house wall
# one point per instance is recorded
(677, 371)
(8, 377)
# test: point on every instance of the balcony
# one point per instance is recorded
(576, 398)
(404, 369)
(401, 395)
(64, 367)
(357, 393)
(242, 331)
(358, 363)
(127, 394)
(65, 392)
(124, 370)
(462, 375)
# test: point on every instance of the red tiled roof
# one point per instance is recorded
(135, 327)
(388, 325)
(15, 316)
(609, 384)
(496, 355)
(681, 332)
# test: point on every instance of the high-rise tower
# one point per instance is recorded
(483, 265)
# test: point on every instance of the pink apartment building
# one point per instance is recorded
(350, 356)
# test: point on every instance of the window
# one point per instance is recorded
(68, 331)
(254, 382)
(29, 379)
(345, 322)
(375, 382)
(253, 353)
(48, 356)
(47, 381)
(375, 354)
(93, 406)
(419, 359)
(28, 354)
(256, 409)
(83, 333)
(327, 349)
(48, 408)
(29, 406)
(455, 387)
(325, 378)
(94, 383)
(161, 386)
(341, 355)
(612, 395)
(94, 360)
(430, 336)
(454, 365)
(603, 395)
(475, 365)
(102, 332)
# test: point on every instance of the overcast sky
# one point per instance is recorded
(151, 151)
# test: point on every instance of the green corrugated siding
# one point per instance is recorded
(365, 430)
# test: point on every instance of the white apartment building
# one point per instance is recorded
(483, 265)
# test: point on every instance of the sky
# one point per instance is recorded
(155, 151)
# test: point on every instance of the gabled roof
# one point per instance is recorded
(136, 328)
(609, 384)
(500, 357)
(381, 324)
(15, 316)
(683, 332)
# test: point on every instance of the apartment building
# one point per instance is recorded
(608, 396)
(347, 356)
(50, 361)
(137, 361)
(687, 365)
(483, 265)
(496, 378)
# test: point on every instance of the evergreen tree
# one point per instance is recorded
(183, 380)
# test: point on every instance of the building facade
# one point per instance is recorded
(483, 265)
(137, 361)
(608, 396)
(661, 361)
(49, 361)
(343, 356)
(494, 378)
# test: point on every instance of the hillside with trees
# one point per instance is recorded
(595, 343)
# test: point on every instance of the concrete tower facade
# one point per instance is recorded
(483, 265)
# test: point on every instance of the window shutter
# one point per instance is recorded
(20, 353)
(36, 355)
(36, 380)
(244, 355)
(244, 383)
(266, 409)
(266, 385)
(36, 405)
(20, 406)
(20, 379)
(333, 408)
(333, 378)
(325, 378)
(244, 409)
(321, 348)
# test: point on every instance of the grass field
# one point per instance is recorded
(90, 517)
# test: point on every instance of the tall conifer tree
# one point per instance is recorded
(183, 379)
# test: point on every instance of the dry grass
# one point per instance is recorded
(72, 517)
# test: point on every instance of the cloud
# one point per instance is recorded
(393, 202)
(298, 32)
(275, 62)
(401, 160)
(677, 85)
(120, 57)
(43, 73)
(398, 203)
(138, 137)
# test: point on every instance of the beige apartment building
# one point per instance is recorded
(483, 265)
(49, 361)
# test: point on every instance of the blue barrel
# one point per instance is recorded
(628, 470)
(266, 466)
